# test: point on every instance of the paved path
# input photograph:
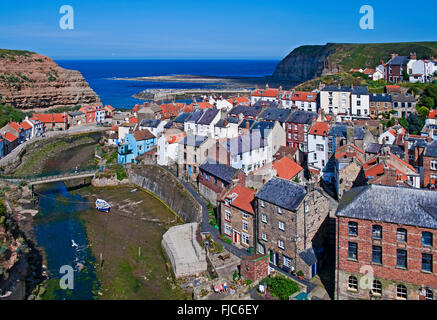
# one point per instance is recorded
(49, 134)
(204, 225)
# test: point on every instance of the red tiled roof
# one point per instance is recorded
(369, 71)
(133, 120)
(10, 137)
(50, 117)
(286, 168)
(204, 105)
(110, 107)
(270, 93)
(175, 138)
(243, 198)
(301, 96)
(320, 129)
(432, 114)
(25, 125)
(15, 126)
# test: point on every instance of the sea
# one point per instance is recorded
(101, 75)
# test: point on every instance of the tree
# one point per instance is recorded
(405, 75)
(423, 112)
(404, 123)
(415, 123)
(426, 101)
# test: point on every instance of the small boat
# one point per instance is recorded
(134, 190)
(102, 205)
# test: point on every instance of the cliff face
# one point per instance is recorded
(309, 62)
(303, 63)
(33, 81)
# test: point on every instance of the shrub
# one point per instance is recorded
(282, 287)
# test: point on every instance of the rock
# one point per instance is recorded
(40, 83)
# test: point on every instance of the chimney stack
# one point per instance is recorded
(406, 149)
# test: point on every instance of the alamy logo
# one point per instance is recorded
(366, 281)
(67, 280)
(67, 20)
(367, 21)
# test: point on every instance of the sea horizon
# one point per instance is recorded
(100, 74)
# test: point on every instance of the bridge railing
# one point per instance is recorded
(46, 175)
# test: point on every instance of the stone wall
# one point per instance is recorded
(167, 188)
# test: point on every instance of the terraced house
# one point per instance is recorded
(237, 219)
(291, 225)
(135, 144)
(388, 233)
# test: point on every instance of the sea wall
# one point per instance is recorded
(166, 187)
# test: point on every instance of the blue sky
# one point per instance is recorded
(252, 29)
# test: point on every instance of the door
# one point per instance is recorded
(189, 170)
(313, 270)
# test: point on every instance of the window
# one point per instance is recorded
(433, 164)
(260, 248)
(245, 238)
(245, 225)
(280, 244)
(245, 215)
(281, 226)
(279, 210)
(262, 204)
(228, 215)
(228, 230)
(427, 238)
(353, 228)
(401, 235)
(377, 287)
(429, 295)
(264, 236)
(401, 258)
(353, 251)
(401, 291)
(287, 262)
(376, 254)
(320, 147)
(426, 262)
(376, 232)
(264, 218)
(352, 283)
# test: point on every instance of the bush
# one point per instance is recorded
(282, 287)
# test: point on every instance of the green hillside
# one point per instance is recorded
(369, 55)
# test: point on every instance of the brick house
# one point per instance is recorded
(76, 118)
(291, 222)
(297, 127)
(214, 178)
(397, 246)
(430, 166)
(394, 68)
(255, 267)
(52, 121)
(237, 219)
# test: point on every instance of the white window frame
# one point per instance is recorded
(245, 225)
(281, 226)
(281, 244)
(264, 218)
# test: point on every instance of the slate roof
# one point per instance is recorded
(302, 117)
(168, 125)
(283, 193)
(399, 61)
(195, 116)
(232, 120)
(194, 141)
(75, 113)
(340, 130)
(431, 150)
(361, 90)
(402, 97)
(220, 123)
(374, 148)
(263, 127)
(407, 206)
(150, 123)
(208, 116)
(246, 110)
(221, 171)
(265, 104)
(275, 114)
(308, 256)
(245, 121)
(182, 117)
(243, 144)
(380, 97)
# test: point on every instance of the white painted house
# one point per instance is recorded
(155, 126)
(318, 145)
(168, 147)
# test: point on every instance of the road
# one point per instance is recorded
(49, 134)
